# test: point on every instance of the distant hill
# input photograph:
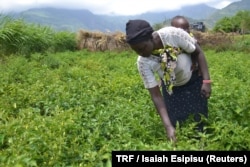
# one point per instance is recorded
(73, 20)
(228, 11)
(64, 19)
(195, 13)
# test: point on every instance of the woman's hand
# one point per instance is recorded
(206, 90)
(171, 133)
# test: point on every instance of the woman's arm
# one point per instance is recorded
(206, 87)
(158, 101)
(145, 69)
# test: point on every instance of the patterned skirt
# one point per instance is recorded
(186, 101)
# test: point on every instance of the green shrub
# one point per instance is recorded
(18, 37)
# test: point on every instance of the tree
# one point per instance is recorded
(238, 23)
(242, 20)
(225, 24)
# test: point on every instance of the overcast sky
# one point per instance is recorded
(119, 7)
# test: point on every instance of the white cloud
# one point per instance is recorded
(123, 7)
(221, 4)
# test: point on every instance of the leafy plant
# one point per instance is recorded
(18, 37)
(74, 108)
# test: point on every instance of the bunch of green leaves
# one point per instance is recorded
(19, 37)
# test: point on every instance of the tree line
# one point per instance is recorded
(238, 23)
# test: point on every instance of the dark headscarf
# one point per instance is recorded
(138, 31)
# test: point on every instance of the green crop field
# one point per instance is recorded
(74, 108)
(64, 107)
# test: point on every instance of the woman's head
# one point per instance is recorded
(139, 36)
(180, 22)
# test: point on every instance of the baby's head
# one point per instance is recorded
(180, 22)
